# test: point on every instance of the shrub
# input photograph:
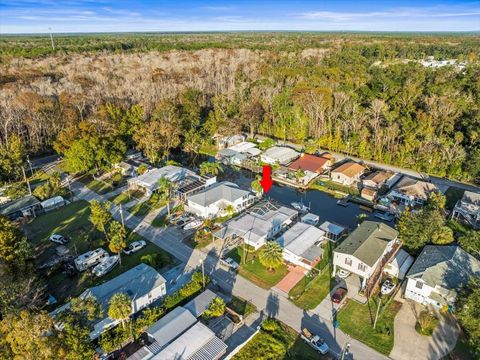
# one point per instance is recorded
(270, 325)
(216, 308)
(156, 260)
(426, 323)
(266, 144)
(142, 169)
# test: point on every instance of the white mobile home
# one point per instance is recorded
(90, 259)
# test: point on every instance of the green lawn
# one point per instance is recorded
(160, 221)
(332, 187)
(144, 207)
(453, 194)
(357, 320)
(100, 187)
(242, 306)
(73, 221)
(280, 343)
(307, 295)
(126, 197)
(256, 272)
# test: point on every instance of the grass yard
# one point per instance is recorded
(144, 207)
(332, 187)
(256, 272)
(160, 221)
(357, 320)
(307, 294)
(241, 306)
(126, 197)
(100, 187)
(277, 342)
(73, 221)
(453, 194)
(200, 239)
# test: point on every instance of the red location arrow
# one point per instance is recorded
(266, 181)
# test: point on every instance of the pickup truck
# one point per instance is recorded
(314, 341)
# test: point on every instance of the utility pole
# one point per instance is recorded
(121, 215)
(378, 310)
(203, 272)
(30, 165)
(26, 180)
(51, 39)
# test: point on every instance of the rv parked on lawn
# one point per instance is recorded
(89, 259)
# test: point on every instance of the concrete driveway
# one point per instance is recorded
(411, 345)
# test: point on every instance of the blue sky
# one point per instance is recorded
(30, 16)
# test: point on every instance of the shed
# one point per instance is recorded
(53, 203)
(333, 232)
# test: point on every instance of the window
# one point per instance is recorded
(361, 267)
(348, 261)
(419, 284)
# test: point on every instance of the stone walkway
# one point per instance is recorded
(409, 344)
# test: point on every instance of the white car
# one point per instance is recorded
(106, 265)
(387, 287)
(134, 247)
(58, 239)
(343, 274)
(230, 263)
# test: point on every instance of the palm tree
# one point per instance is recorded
(165, 186)
(255, 185)
(230, 210)
(212, 168)
(120, 308)
(271, 255)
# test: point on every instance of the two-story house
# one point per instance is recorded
(366, 251)
(411, 192)
(219, 199)
(467, 209)
(438, 273)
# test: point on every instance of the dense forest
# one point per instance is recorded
(95, 96)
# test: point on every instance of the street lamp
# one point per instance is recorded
(345, 350)
(203, 272)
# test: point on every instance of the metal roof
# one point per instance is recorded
(282, 154)
(18, 205)
(447, 266)
(151, 178)
(244, 146)
(197, 343)
(171, 325)
(200, 303)
(221, 191)
(368, 241)
(303, 240)
(331, 228)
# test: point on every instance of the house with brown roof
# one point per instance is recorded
(410, 192)
(308, 162)
(348, 173)
(378, 178)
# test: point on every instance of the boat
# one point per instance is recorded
(343, 202)
(193, 224)
(300, 207)
(384, 216)
(106, 265)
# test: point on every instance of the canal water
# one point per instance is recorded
(322, 204)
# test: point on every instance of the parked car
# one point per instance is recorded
(343, 274)
(339, 294)
(387, 287)
(229, 262)
(314, 341)
(106, 265)
(384, 216)
(58, 239)
(135, 246)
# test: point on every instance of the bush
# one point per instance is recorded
(216, 308)
(426, 323)
(270, 325)
(266, 144)
(116, 178)
(142, 169)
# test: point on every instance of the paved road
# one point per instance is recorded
(441, 182)
(268, 302)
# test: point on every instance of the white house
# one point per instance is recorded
(348, 173)
(149, 181)
(301, 245)
(143, 284)
(366, 250)
(218, 198)
(279, 155)
(411, 192)
(467, 209)
(438, 273)
(262, 222)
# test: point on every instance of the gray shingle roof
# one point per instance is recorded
(447, 266)
(368, 241)
(303, 240)
(200, 303)
(220, 191)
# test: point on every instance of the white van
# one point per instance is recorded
(89, 259)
